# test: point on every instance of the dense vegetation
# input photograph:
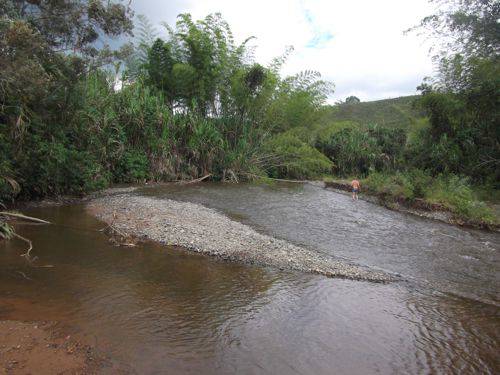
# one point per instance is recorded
(192, 104)
(77, 115)
(442, 146)
(449, 192)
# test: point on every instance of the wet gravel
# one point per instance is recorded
(204, 230)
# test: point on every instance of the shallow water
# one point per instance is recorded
(154, 309)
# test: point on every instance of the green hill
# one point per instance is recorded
(397, 112)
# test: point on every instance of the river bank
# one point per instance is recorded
(34, 348)
(203, 230)
(418, 207)
(158, 309)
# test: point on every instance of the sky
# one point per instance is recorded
(359, 45)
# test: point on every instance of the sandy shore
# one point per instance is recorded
(31, 348)
(198, 228)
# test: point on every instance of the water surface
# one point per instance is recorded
(155, 310)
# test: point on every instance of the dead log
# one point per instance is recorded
(27, 253)
(24, 275)
(195, 180)
(24, 217)
(276, 179)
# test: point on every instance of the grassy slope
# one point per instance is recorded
(398, 112)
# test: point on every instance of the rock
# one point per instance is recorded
(204, 230)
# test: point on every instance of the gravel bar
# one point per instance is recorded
(204, 230)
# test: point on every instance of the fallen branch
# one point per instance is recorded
(24, 275)
(114, 229)
(277, 179)
(24, 217)
(27, 253)
(195, 180)
(234, 178)
(124, 238)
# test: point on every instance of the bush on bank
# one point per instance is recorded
(295, 159)
(452, 192)
(191, 104)
(196, 103)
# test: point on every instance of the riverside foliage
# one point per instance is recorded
(77, 115)
(190, 104)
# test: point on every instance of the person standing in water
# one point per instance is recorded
(355, 189)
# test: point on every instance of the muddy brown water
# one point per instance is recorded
(155, 310)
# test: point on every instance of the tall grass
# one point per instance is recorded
(454, 193)
(361, 150)
(139, 137)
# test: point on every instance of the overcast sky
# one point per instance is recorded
(357, 44)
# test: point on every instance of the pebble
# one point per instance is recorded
(201, 229)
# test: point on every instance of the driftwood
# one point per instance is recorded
(234, 178)
(117, 237)
(277, 179)
(195, 180)
(27, 253)
(24, 275)
(24, 217)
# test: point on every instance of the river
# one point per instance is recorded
(154, 309)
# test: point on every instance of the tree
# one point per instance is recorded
(159, 65)
(71, 25)
(352, 100)
(46, 48)
(463, 101)
(144, 36)
(47, 45)
(466, 31)
(466, 27)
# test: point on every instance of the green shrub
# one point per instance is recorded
(456, 193)
(390, 185)
(326, 132)
(361, 150)
(306, 134)
(295, 159)
(132, 167)
(6, 231)
(54, 169)
(9, 187)
(420, 181)
(82, 173)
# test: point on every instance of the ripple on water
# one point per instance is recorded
(156, 309)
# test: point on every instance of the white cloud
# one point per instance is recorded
(358, 44)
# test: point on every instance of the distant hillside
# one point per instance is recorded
(398, 112)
